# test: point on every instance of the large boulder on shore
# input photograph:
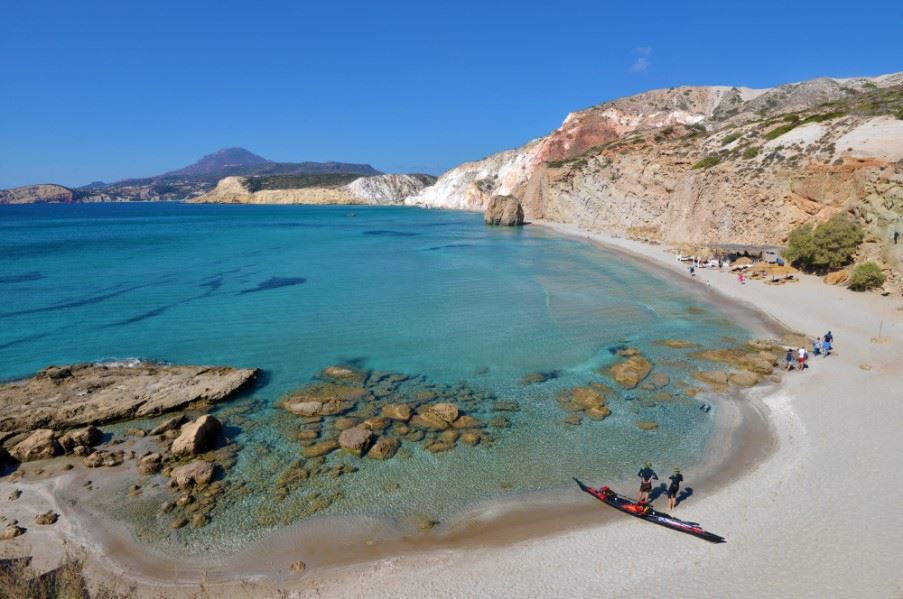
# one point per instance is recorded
(383, 449)
(503, 211)
(63, 397)
(86, 437)
(196, 437)
(39, 445)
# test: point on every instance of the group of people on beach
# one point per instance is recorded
(647, 475)
(821, 346)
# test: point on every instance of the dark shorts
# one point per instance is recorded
(672, 491)
(645, 487)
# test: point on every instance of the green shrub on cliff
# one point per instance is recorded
(707, 162)
(829, 246)
(866, 276)
(779, 131)
(750, 152)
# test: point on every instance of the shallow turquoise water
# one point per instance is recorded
(427, 293)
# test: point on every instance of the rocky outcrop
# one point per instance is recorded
(503, 211)
(631, 371)
(39, 445)
(709, 165)
(37, 194)
(84, 438)
(197, 472)
(196, 437)
(377, 189)
(62, 397)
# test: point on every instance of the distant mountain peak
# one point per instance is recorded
(217, 162)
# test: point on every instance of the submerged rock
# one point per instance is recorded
(646, 425)
(383, 449)
(197, 472)
(356, 440)
(632, 371)
(320, 449)
(400, 412)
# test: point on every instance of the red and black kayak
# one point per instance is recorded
(645, 511)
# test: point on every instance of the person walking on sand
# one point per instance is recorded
(674, 488)
(816, 347)
(825, 347)
(646, 474)
(788, 360)
(801, 358)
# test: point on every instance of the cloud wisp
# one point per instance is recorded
(642, 61)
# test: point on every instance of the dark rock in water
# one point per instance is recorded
(539, 377)
(506, 406)
(387, 233)
(356, 440)
(504, 211)
(383, 449)
(22, 278)
(275, 283)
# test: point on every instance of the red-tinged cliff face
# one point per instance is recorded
(709, 165)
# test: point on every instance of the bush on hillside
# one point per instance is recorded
(779, 131)
(707, 162)
(866, 276)
(750, 152)
(829, 246)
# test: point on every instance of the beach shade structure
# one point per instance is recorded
(743, 261)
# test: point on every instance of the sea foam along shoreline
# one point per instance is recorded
(816, 518)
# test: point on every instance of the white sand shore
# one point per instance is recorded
(818, 518)
(814, 519)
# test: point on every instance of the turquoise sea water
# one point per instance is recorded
(431, 294)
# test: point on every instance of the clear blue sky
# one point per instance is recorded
(109, 90)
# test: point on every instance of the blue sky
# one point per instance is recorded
(109, 90)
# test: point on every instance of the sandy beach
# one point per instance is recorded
(816, 518)
(805, 505)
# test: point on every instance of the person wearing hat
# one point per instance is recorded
(646, 474)
(674, 488)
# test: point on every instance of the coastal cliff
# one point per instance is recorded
(709, 165)
(37, 194)
(333, 189)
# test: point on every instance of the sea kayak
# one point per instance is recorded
(645, 511)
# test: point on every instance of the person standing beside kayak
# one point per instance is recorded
(646, 474)
(674, 488)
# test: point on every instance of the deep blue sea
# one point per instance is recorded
(428, 293)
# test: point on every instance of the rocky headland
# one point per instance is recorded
(346, 189)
